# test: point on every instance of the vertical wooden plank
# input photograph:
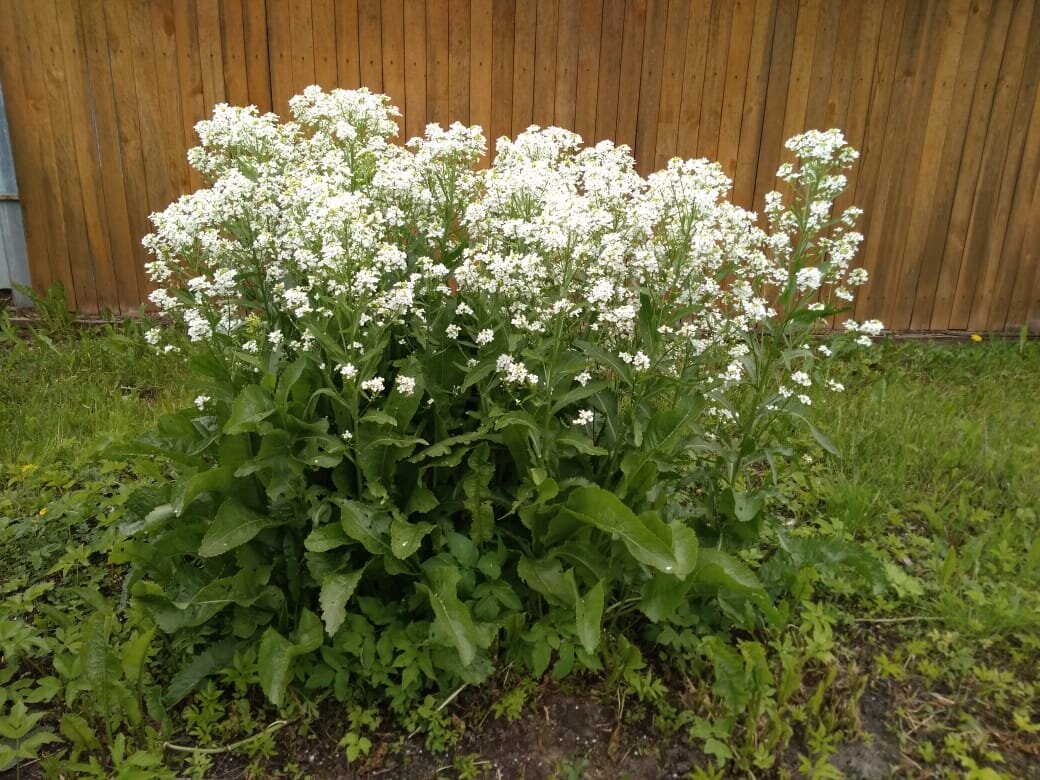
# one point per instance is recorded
(437, 68)
(167, 82)
(524, 27)
(755, 95)
(1015, 99)
(713, 95)
(902, 268)
(480, 67)
(458, 61)
(302, 37)
(609, 85)
(236, 79)
(671, 82)
(801, 68)
(933, 117)
(26, 145)
(370, 43)
(415, 67)
(81, 117)
(189, 67)
(210, 53)
(392, 26)
(547, 14)
(504, 12)
(873, 146)
(822, 69)
(323, 19)
(590, 25)
(1024, 305)
(279, 45)
(850, 30)
(976, 142)
(32, 42)
(771, 144)
(647, 116)
(348, 51)
(631, 71)
(941, 197)
(566, 64)
(694, 64)
(121, 242)
(134, 174)
(258, 68)
(898, 155)
(735, 84)
(854, 122)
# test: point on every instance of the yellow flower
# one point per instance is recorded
(28, 467)
(976, 337)
(43, 511)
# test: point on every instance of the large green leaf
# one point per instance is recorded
(212, 659)
(326, 537)
(336, 591)
(605, 511)
(217, 480)
(252, 405)
(451, 614)
(359, 522)
(588, 614)
(275, 663)
(406, 537)
(234, 525)
(545, 576)
(721, 571)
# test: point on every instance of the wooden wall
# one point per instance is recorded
(940, 96)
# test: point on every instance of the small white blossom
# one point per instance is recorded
(346, 435)
(374, 385)
(485, 337)
(837, 387)
(201, 401)
(452, 331)
(801, 378)
(585, 416)
(405, 384)
(583, 378)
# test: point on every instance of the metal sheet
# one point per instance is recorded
(8, 185)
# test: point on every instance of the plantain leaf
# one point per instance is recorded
(406, 537)
(336, 591)
(212, 659)
(588, 614)
(451, 614)
(602, 509)
(275, 661)
(250, 407)
(234, 525)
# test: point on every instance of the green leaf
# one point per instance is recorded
(546, 576)
(577, 394)
(661, 596)
(720, 570)
(135, 655)
(217, 480)
(602, 509)
(234, 525)
(274, 660)
(451, 614)
(580, 443)
(214, 658)
(308, 635)
(336, 591)
(588, 614)
(326, 537)
(77, 731)
(406, 537)
(358, 522)
(252, 405)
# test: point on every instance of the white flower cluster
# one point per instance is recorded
(321, 232)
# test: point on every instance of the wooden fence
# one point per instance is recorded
(939, 95)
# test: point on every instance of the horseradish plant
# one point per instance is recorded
(450, 418)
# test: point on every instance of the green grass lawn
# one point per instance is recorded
(939, 475)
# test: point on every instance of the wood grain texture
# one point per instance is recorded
(941, 97)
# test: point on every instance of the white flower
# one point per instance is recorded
(152, 336)
(346, 435)
(837, 387)
(801, 378)
(485, 337)
(201, 401)
(585, 416)
(347, 370)
(864, 341)
(583, 378)
(805, 400)
(808, 279)
(374, 385)
(824, 350)
(251, 346)
(405, 384)
(452, 331)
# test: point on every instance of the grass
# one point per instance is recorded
(939, 476)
